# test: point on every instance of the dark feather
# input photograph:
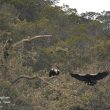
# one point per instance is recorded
(53, 73)
(78, 76)
(101, 75)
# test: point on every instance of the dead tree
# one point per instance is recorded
(8, 44)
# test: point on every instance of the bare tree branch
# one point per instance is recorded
(29, 39)
(34, 77)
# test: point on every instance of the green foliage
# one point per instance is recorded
(77, 45)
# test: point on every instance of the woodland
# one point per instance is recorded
(42, 35)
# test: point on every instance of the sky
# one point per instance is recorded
(87, 5)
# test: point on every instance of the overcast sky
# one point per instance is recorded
(88, 5)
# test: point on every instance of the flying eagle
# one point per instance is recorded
(90, 79)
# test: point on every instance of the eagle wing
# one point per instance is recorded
(87, 77)
(101, 75)
(79, 76)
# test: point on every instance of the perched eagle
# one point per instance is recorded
(90, 79)
(54, 72)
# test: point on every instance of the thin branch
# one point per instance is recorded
(34, 77)
(29, 39)
(23, 77)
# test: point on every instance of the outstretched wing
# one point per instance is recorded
(101, 75)
(90, 77)
(79, 77)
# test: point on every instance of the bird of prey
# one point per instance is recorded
(54, 71)
(91, 79)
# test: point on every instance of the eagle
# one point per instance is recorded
(91, 79)
(54, 72)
